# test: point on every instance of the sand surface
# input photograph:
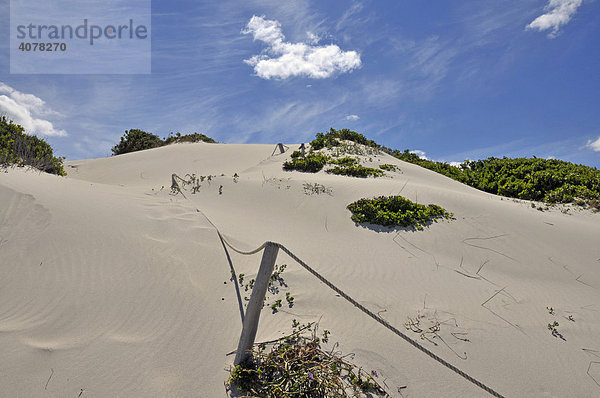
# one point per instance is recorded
(111, 285)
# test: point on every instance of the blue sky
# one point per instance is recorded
(455, 79)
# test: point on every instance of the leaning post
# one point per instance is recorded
(255, 305)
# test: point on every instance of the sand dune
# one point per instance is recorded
(110, 284)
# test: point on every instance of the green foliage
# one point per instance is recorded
(333, 137)
(548, 180)
(18, 148)
(311, 163)
(195, 137)
(388, 167)
(136, 140)
(394, 211)
(345, 162)
(296, 366)
(355, 171)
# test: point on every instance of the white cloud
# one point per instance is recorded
(284, 59)
(27, 110)
(419, 153)
(558, 13)
(594, 145)
(352, 118)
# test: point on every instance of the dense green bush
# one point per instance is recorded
(195, 137)
(18, 148)
(136, 140)
(548, 180)
(392, 211)
(311, 163)
(331, 139)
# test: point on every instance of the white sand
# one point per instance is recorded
(111, 285)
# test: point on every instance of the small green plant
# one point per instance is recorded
(550, 310)
(236, 177)
(220, 189)
(553, 327)
(290, 299)
(276, 305)
(392, 211)
(570, 318)
(296, 366)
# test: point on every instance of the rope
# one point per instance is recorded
(377, 318)
(387, 325)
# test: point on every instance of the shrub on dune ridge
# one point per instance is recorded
(195, 137)
(138, 140)
(18, 148)
(395, 211)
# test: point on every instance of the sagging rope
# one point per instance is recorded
(361, 307)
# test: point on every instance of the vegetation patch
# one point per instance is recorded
(195, 137)
(138, 140)
(389, 167)
(355, 171)
(333, 138)
(20, 149)
(393, 211)
(547, 180)
(310, 163)
(296, 366)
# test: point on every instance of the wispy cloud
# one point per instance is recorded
(352, 118)
(285, 59)
(558, 13)
(28, 110)
(594, 145)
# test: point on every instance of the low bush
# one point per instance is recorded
(547, 180)
(392, 211)
(388, 167)
(355, 170)
(18, 148)
(311, 163)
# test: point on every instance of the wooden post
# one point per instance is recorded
(255, 304)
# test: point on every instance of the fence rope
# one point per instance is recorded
(361, 307)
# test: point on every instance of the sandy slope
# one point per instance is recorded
(111, 285)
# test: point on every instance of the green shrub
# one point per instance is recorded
(333, 137)
(311, 163)
(355, 171)
(392, 211)
(18, 148)
(195, 137)
(345, 162)
(547, 180)
(136, 140)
